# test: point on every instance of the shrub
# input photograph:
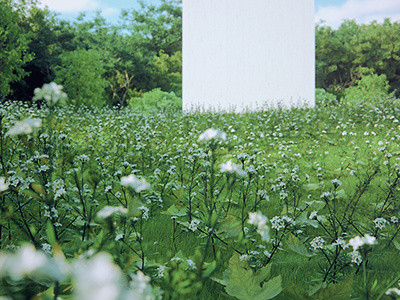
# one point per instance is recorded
(369, 88)
(155, 99)
(323, 98)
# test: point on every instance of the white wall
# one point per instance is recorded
(247, 52)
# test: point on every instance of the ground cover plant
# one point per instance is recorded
(116, 204)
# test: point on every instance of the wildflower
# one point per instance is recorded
(277, 223)
(137, 184)
(193, 225)
(357, 242)
(191, 264)
(108, 211)
(356, 257)
(380, 223)
(160, 271)
(47, 248)
(232, 168)
(212, 134)
(260, 221)
(313, 214)
(24, 127)
(51, 93)
(244, 257)
(140, 287)
(394, 219)
(317, 243)
(340, 242)
(326, 195)
(393, 292)
(97, 278)
(336, 182)
(145, 212)
(3, 184)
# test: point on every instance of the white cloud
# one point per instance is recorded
(363, 11)
(75, 6)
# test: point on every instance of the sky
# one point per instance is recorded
(332, 12)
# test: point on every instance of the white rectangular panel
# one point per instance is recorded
(245, 53)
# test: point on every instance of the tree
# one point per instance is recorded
(14, 42)
(160, 28)
(81, 74)
(49, 38)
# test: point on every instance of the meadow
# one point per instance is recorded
(298, 203)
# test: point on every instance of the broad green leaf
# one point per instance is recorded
(173, 210)
(336, 291)
(254, 288)
(294, 245)
(341, 194)
(292, 291)
(303, 219)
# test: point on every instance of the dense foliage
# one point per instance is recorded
(144, 52)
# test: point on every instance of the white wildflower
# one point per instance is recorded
(317, 243)
(97, 278)
(108, 211)
(380, 223)
(230, 167)
(193, 225)
(24, 127)
(3, 184)
(356, 257)
(260, 221)
(212, 134)
(137, 184)
(51, 93)
(357, 241)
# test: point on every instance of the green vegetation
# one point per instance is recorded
(144, 52)
(299, 203)
(101, 202)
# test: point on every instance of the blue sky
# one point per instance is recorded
(333, 12)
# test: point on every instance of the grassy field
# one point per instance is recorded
(267, 206)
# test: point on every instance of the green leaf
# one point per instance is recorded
(313, 186)
(336, 291)
(38, 188)
(294, 245)
(341, 194)
(51, 235)
(209, 270)
(292, 291)
(304, 220)
(173, 210)
(396, 244)
(254, 288)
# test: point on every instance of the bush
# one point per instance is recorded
(156, 99)
(323, 98)
(369, 88)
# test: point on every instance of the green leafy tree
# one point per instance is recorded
(81, 75)
(50, 37)
(344, 54)
(160, 28)
(167, 72)
(14, 42)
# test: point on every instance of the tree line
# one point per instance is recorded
(141, 58)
